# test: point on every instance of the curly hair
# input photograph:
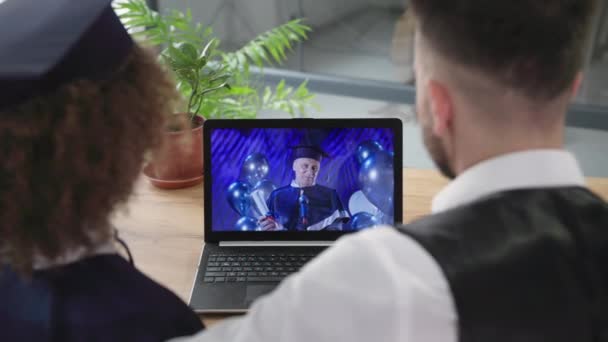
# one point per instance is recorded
(71, 156)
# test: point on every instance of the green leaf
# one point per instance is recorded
(189, 51)
(240, 90)
(261, 52)
(181, 25)
(135, 22)
(222, 77)
(302, 90)
(252, 54)
(129, 5)
(178, 59)
(208, 48)
(280, 88)
(202, 62)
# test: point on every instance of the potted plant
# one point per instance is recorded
(212, 82)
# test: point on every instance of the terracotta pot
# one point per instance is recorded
(179, 162)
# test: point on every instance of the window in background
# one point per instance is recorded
(359, 56)
(595, 88)
(363, 39)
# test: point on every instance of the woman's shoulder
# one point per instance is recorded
(112, 283)
(105, 294)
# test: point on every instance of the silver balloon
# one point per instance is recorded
(246, 224)
(265, 187)
(255, 168)
(359, 203)
(259, 197)
(376, 179)
(363, 220)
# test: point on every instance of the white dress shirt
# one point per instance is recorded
(380, 285)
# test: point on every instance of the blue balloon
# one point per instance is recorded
(238, 197)
(363, 220)
(367, 149)
(246, 224)
(376, 179)
(255, 168)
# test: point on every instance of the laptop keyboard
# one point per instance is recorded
(251, 268)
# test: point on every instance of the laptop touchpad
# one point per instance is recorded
(255, 291)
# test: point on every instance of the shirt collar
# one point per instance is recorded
(519, 170)
(295, 185)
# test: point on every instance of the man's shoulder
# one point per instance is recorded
(500, 216)
(370, 249)
(484, 212)
(380, 258)
(499, 208)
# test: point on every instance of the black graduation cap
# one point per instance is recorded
(308, 151)
(47, 43)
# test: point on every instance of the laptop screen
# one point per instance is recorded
(301, 179)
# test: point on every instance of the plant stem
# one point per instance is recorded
(194, 91)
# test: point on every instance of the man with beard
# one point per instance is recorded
(517, 246)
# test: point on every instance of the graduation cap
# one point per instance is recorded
(45, 44)
(308, 151)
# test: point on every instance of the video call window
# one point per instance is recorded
(285, 179)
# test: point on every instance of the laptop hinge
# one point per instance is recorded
(275, 243)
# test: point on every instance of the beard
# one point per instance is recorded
(434, 147)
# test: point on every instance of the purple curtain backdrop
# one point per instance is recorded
(230, 147)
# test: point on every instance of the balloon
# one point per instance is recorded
(246, 224)
(385, 218)
(367, 149)
(238, 197)
(254, 168)
(259, 197)
(363, 220)
(376, 179)
(359, 203)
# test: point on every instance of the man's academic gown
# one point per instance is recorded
(324, 210)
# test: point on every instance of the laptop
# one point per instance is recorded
(279, 192)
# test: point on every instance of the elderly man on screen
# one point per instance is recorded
(304, 205)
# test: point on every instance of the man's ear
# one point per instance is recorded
(442, 107)
(576, 84)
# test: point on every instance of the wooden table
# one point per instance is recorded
(164, 228)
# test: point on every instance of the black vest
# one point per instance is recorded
(524, 265)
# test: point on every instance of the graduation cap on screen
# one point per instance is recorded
(308, 151)
(45, 44)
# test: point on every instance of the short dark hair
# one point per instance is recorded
(536, 46)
